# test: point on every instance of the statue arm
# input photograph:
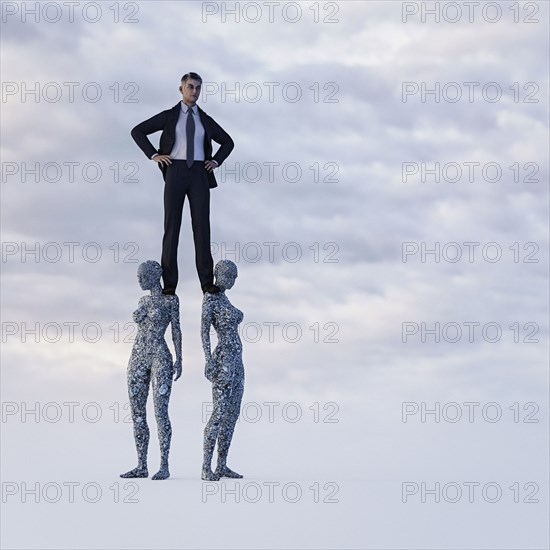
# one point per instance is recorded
(176, 335)
(206, 322)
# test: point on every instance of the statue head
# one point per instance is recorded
(149, 274)
(225, 273)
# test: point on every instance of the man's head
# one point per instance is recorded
(190, 88)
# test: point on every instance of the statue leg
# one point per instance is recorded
(139, 375)
(220, 398)
(162, 387)
(228, 425)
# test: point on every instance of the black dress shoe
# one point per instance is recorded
(211, 288)
(169, 291)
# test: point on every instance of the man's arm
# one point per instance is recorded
(219, 135)
(150, 126)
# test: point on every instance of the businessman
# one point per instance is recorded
(187, 165)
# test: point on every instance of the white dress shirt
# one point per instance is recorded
(179, 150)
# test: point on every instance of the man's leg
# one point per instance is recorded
(174, 197)
(199, 204)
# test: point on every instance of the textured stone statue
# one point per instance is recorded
(224, 368)
(151, 363)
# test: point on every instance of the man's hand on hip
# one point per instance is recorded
(210, 165)
(163, 159)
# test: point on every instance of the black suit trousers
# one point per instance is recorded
(182, 181)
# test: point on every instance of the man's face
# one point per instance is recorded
(190, 91)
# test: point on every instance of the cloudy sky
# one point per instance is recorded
(386, 203)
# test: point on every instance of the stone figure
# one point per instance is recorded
(151, 363)
(224, 368)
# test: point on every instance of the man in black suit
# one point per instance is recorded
(185, 159)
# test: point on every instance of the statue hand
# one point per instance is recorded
(223, 375)
(177, 369)
(209, 369)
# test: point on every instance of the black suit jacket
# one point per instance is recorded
(166, 121)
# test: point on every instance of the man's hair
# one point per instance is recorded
(194, 76)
